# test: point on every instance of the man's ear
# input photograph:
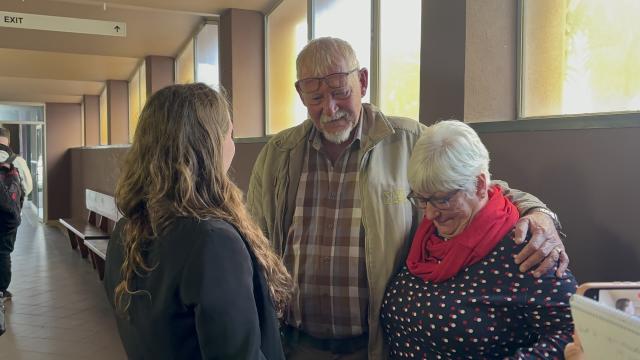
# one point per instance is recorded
(363, 77)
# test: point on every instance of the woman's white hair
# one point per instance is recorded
(322, 54)
(448, 156)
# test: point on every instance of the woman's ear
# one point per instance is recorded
(481, 185)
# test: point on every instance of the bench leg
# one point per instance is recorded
(93, 256)
(83, 248)
(72, 239)
(100, 266)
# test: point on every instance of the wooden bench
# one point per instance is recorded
(98, 251)
(103, 214)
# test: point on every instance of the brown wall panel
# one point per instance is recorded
(242, 164)
(160, 72)
(242, 68)
(63, 131)
(118, 104)
(583, 175)
(442, 64)
(588, 178)
(96, 169)
(490, 61)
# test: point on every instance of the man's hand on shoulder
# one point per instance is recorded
(544, 248)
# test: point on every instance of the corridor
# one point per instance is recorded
(59, 308)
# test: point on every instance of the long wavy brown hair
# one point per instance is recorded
(175, 169)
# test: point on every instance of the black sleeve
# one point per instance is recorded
(546, 307)
(217, 282)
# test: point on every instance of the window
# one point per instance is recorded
(207, 68)
(400, 60)
(580, 56)
(388, 45)
(198, 60)
(104, 118)
(286, 36)
(336, 18)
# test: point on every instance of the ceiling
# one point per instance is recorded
(47, 66)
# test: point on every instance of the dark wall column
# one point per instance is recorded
(442, 60)
(63, 131)
(91, 119)
(118, 105)
(242, 68)
(160, 72)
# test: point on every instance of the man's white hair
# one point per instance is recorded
(448, 156)
(322, 54)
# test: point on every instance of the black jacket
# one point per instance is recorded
(205, 298)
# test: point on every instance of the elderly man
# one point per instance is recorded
(330, 194)
(11, 165)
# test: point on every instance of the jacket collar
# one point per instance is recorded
(375, 127)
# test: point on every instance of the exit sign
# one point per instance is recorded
(62, 24)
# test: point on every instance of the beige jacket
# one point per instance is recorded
(387, 216)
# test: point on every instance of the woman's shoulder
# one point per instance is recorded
(212, 234)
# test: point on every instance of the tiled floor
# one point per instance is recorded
(59, 308)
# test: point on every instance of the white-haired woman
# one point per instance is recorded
(460, 294)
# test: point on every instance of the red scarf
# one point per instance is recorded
(434, 259)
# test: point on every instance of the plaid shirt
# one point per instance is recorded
(325, 246)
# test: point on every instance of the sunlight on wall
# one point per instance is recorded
(185, 73)
(104, 118)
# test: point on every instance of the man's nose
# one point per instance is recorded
(329, 106)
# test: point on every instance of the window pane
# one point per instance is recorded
(581, 56)
(104, 118)
(185, 65)
(207, 56)
(12, 113)
(400, 60)
(336, 18)
(286, 36)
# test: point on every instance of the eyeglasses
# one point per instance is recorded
(440, 202)
(333, 81)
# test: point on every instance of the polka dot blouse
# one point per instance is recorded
(488, 310)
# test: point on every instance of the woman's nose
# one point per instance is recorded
(430, 212)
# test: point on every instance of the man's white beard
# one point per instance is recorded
(341, 136)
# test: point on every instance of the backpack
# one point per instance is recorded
(11, 192)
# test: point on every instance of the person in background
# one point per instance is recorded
(330, 194)
(460, 295)
(625, 305)
(188, 272)
(10, 215)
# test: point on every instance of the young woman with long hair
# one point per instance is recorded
(188, 272)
